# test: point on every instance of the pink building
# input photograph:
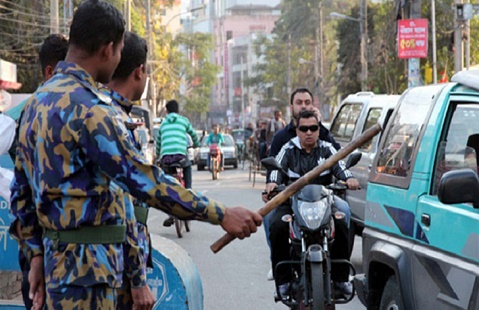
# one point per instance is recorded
(234, 33)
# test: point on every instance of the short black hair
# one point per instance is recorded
(133, 55)
(306, 114)
(300, 90)
(53, 50)
(172, 106)
(96, 23)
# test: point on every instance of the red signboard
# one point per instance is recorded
(412, 38)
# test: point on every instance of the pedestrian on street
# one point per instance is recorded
(275, 124)
(72, 144)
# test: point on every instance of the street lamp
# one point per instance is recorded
(183, 13)
(363, 29)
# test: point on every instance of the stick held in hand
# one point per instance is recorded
(294, 187)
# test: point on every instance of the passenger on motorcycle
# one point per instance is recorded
(216, 137)
(297, 157)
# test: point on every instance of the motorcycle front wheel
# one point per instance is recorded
(317, 287)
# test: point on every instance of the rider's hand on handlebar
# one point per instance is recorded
(352, 183)
(269, 187)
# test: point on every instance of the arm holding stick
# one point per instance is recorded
(304, 180)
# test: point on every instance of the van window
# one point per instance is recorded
(459, 147)
(372, 119)
(398, 148)
(345, 123)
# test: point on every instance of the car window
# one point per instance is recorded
(345, 123)
(228, 140)
(459, 147)
(372, 119)
(402, 137)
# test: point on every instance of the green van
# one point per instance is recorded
(421, 235)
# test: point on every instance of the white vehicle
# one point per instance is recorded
(357, 113)
(229, 149)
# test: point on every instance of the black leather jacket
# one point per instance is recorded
(296, 162)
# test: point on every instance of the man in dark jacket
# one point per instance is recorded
(297, 157)
(301, 99)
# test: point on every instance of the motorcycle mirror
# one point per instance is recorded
(353, 159)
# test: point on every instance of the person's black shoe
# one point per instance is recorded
(169, 221)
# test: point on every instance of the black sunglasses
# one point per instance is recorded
(313, 128)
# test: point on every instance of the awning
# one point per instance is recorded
(9, 85)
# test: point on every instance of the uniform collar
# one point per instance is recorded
(83, 77)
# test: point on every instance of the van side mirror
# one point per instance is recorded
(459, 186)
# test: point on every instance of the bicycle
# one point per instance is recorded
(176, 170)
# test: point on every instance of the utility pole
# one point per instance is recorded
(127, 14)
(458, 45)
(318, 74)
(468, 42)
(363, 25)
(54, 20)
(288, 83)
(414, 63)
(242, 94)
(67, 15)
(434, 47)
(151, 86)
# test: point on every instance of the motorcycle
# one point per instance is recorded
(215, 160)
(311, 234)
(175, 169)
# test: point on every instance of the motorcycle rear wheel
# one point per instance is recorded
(317, 287)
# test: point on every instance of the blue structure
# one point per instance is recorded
(175, 280)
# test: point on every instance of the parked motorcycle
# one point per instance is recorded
(215, 160)
(312, 232)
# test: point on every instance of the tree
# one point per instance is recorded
(195, 70)
(23, 26)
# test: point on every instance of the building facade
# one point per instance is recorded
(235, 26)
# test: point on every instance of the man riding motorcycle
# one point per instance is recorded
(297, 157)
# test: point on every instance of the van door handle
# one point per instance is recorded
(426, 219)
(369, 167)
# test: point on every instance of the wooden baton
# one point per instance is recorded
(294, 187)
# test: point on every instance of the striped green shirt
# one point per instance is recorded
(172, 135)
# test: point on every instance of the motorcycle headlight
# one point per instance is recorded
(313, 213)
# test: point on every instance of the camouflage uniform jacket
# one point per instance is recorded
(136, 247)
(72, 142)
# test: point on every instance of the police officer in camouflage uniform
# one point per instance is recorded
(72, 144)
(126, 86)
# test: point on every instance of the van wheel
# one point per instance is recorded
(391, 297)
(200, 167)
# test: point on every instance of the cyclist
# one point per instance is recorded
(172, 143)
